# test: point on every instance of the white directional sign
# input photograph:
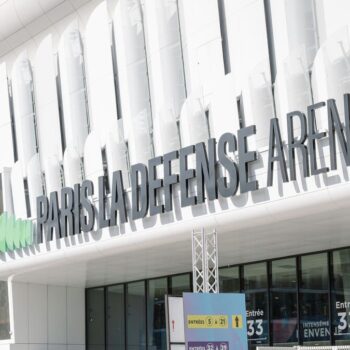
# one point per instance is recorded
(175, 323)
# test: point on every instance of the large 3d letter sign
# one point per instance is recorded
(212, 166)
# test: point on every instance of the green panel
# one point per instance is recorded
(10, 232)
(17, 234)
(23, 233)
(3, 220)
(14, 234)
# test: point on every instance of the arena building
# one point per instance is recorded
(127, 124)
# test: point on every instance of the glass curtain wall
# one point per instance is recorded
(289, 301)
(341, 296)
(129, 316)
(156, 329)
(95, 322)
(229, 280)
(4, 312)
(283, 305)
(136, 316)
(256, 293)
(115, 317)
(314, 300)
(180, 284)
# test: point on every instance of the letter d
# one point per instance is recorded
(139, 191)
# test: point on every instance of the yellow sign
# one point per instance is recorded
(237, 321)
(207, 321)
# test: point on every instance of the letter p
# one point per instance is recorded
(42, 206)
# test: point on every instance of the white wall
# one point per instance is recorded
(46, 317)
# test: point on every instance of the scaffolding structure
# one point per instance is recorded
(205, 262)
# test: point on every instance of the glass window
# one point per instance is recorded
(156, 325)
(341, 296)
(96, 319)
(115, 318)
(4, 312)
(136, 316)
(314, 310)
(229, 280)
(255, 276)
(284, 311)
(255, 288)
(180, 284)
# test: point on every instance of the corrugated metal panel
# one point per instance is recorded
(73, 88)
(72, 164)
(133, 79)
(48, 119)
(202, 49)
(22, 87)
(167, 79)
(6, 137)
(102, 95)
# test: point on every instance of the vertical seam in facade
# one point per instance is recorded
(181, 46)
(270, 39)
(149, 119)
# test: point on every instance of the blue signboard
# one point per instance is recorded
(215, 321)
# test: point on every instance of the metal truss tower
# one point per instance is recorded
(205, 262)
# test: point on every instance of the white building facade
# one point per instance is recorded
(127, 124)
